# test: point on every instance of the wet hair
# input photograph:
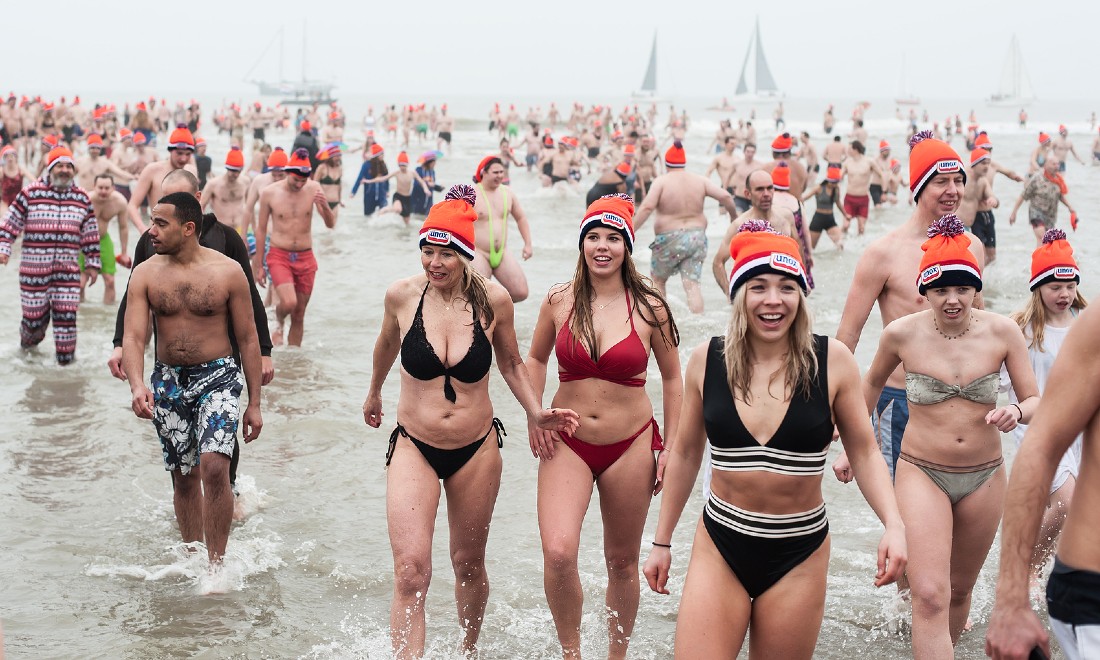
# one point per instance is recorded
(1032, 319)
(836, 138)
(105, 175)
(187, 208)
(801, 368)
(181, 176)
(858, 146)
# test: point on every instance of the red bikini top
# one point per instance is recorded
(618, 364)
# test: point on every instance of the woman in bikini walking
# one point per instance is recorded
(446, 432)
(602, 327)
(766, 396)
(950, 482)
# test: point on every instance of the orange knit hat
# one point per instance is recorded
(628, 150)
(782, 144)
(450, 223)
(1053, 261)
(929, 157)
(1043, 138)
(299, 162)
(613, 212)
(277, 160)
(234, 160)
(758, 249)
(125, 134)
(139, 138)
(978, 155)
(947, 261)
(485, 163)
(94, 140)
(781, 176)
(675, 158)
(181, 138)
(57, 155)
(883, 145)
(50, 141)
(983, 141)
(623, 169)
(402, 158)
(376, 150)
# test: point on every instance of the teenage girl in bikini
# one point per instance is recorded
(766, 396)
(602, 327)
(446, 323)
(950, 481)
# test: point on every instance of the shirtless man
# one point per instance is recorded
(1068, 407)
(275, 173)
(982, 141)
(808, 153)
(978, 202)
(859, 134)
(857, 199)
(829, 121)
(445, 126)
(725, 163)
(560, 164)
(227, 192)
(194, 293)
(646, 169)
(761, 191)
(835, 152)
(109, 204)
(884, 274)
(680, 230)
(287, 208)
(740, 177)
(880, 176)
(181, 144)
(495, 202)
(403, 187)
(92, 165)
(1061, 145)
(781, 152)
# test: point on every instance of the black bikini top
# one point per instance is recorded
(419, 360)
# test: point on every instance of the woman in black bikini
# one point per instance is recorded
(449, 315)
(949, 480)
(767, 396)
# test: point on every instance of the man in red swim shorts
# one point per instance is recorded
(857, 169)
(287, 207)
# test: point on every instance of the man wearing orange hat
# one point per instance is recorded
(884, 275)
(1043, 192)
(781, 152)
(680, 230)
(881, 176)
(181, 144)
(306, 140)
(740, 177)
(109, 204)
(58, 223)
(725, 163)
(1062, 146)
(978, 202)
(276, 163)
(404, 179)
(287, 208)
(495, 202)
(227, 192)
(857, 198)
(93, 165)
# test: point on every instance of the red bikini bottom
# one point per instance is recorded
(601, 457)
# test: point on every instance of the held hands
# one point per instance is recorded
(1004, 419)
(541, 425)
(1013, 632)
(892, 556)
(656, 569)
(372, 410)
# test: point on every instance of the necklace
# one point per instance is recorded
(937, 325)
(598, 305)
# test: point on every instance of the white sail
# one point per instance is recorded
(762, 83)
(649, 83)
(1015, 87)
(905, 97)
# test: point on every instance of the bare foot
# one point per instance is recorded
(277, 336)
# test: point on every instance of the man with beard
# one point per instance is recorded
(181, 144)
(58, 223)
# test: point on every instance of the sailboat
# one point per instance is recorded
(904, 96)
(1015, 89)
(294, 92)
(648, 91)
(763, 88)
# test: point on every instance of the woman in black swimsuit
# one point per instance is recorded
(449, 315)
(767, 396)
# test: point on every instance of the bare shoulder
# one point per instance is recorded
(400, 290)
(660, 309)
(1001, 325)
(840, 358)
(499, 297)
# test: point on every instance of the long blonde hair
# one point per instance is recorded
(802, 366)
(642, 292)
(1032, 319)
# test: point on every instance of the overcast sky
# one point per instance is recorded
(818, 48)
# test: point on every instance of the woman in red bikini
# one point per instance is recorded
(601, 327)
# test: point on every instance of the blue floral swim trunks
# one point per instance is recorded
(681, 251)
(196, 409)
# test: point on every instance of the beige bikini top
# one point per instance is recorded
(925, 390)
